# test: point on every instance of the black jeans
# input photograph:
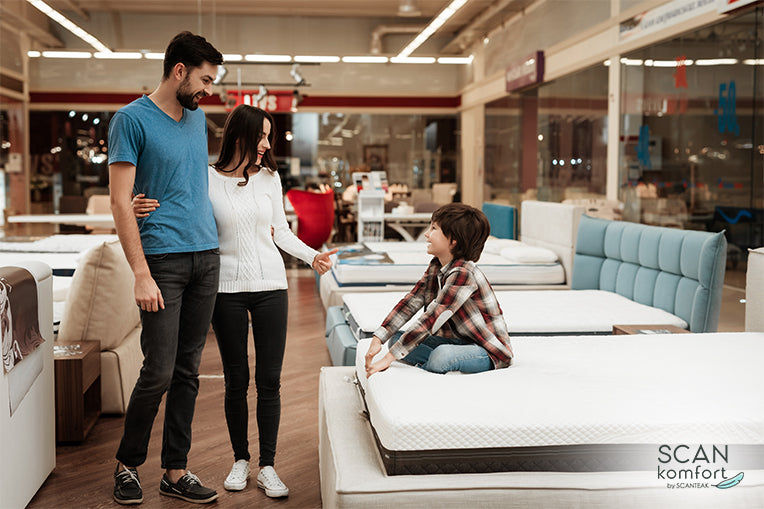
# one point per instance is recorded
(268, 311)
(172, 341)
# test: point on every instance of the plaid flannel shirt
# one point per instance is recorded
(458, 302)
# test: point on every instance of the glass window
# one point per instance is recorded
(692, 143)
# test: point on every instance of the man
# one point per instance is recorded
(158, 146)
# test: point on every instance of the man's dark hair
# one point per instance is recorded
(190, 50)
(466, 225)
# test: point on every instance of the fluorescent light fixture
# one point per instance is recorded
(430, 29)
(69, 25)
(606, 63)
(317, 59)
(455, 60)
(153, 56)
(34, 54)
(754, 61)
(267, 58)
(232, 57)
(120, 55)
(716, 61)
(631, 61)
(67, 54)
(365, 60)
(413, 60)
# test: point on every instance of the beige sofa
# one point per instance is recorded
(101, 306)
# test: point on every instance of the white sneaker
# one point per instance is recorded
(237, 479)
(269, 480)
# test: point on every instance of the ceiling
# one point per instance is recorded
(474, 20)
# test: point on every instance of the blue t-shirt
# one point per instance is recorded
(171, 165)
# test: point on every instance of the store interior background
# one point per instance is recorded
(687, 149)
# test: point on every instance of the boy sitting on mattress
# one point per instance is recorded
(462, 327)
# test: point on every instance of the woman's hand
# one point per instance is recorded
(142, 206)
(322, 262)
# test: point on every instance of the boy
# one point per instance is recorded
(462, 327)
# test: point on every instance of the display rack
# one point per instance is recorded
(371, 215)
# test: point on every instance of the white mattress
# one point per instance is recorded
(410, 260)
(61, 263)
(57, 244)
(640, 389)
(532, 312)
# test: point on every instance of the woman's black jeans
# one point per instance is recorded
(268, 312)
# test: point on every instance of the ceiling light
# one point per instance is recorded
(221, 74)
(267, 58)
(455, 60)
(33, 54)
(232, 57)
(66, 54)
(69, 25)
(294, 72)
(119, 55)
(261, 93)
(408, 8)
(430, 29)
(716, 61)
(316, 59)
(365, 60)
(413, 60)
(153, 56)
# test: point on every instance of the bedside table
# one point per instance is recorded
(648, 329)
(78, 388)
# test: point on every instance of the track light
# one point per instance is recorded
(261, 93)
(221, 74)
(294, 72)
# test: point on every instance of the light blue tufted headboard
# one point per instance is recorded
(679, 271)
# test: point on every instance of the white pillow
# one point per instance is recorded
(494, 245)
(528, 254)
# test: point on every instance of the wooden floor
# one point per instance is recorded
(83, 474)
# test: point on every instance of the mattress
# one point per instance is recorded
(403, 263)
(577, 403)
(530, 312)
(353, 476)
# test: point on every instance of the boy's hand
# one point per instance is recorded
(374, 349)
(381, 365)
(142, 206)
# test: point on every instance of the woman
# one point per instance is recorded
(248, 205)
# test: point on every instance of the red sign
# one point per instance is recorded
(274, 100)
(525, 72)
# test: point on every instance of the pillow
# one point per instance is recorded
(528, 254)
(494, 245)
(101, 301)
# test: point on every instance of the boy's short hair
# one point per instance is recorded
(466, 225)
(190, 50)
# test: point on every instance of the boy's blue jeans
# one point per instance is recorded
(441, 355)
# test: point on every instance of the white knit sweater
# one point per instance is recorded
(249, 259)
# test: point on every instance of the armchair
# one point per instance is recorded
(315, 215)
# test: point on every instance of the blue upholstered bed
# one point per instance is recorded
(679, 271)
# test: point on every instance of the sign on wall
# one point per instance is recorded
(278, 101)
(525, 72)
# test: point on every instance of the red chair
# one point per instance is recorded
(315, 215)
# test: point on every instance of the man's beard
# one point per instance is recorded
(186, 99)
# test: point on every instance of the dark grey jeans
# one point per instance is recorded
(172, 342)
